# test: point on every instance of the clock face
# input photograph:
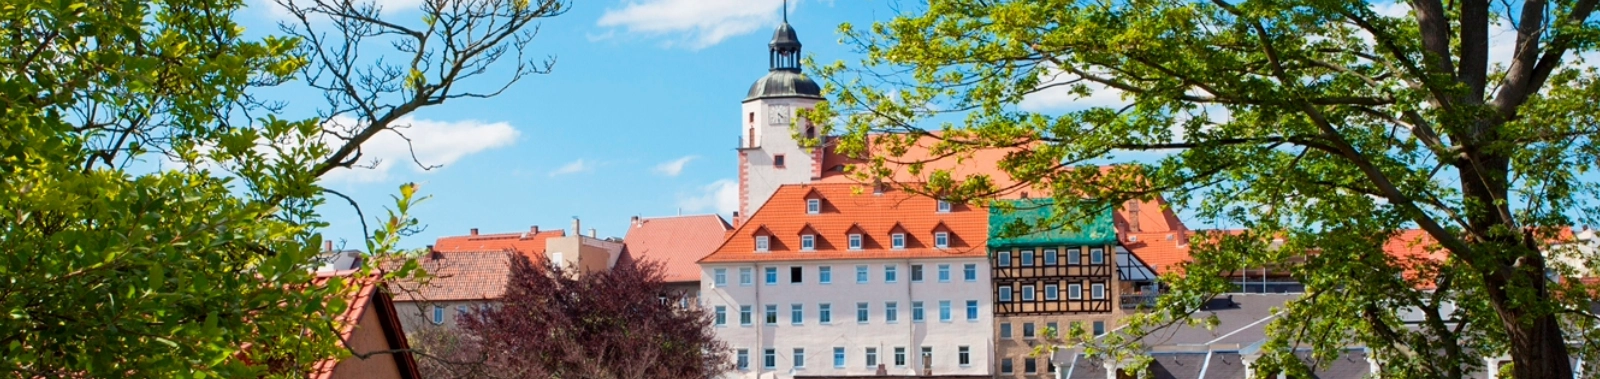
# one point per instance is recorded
(778, 114)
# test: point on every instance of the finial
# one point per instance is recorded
(785, 11)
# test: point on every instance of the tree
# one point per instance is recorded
(1330, 124)
(159, 217)
(621, 323)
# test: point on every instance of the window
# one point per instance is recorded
(872, 357)
(1097, 256)
(744, 315)
(1050, 257)
(799, 357)
(1052, 326)
(1027, 293)
(825, 274)
(972, 309)
(838, 357)
(772, 314)
(761, 243)
(1027, 258)
(861, 273)
(944, 311)
(916, 311)
(1030, 365)
(744, 359)
(969, 272)
(889, 274)
(1051, 292)
(897, 241)
(1027, 330)
(916, 273)
(796, 274)
(1097, 291)
(1005, 330)
(813, 206)
(461, 309)
(824, 313)
(861, 312)
(1074, 291)
(556, 260)
(944, 206)
(797, 314)
(769, 358)
(944, 273)
(891, 312)
(899, 357)
(1074, 256)
(1049, 364)
(808, 242)
(1099, 328)
(721, 277)
(438, 315)
(771, 275)
(855, 241)
(777, 160)
(1004, 259)
(964, 355)
(927, 354)
(941, 240)
(722, 315)
(746, 276)
(1005, 366)
(1005, 294)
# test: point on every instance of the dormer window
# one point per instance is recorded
(813, 206)
(761, 243)
(808, 242)
(897, 241)
(855, 241)
(941, 240)
(944, 206)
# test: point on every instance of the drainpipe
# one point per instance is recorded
(911, 327)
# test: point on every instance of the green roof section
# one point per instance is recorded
(1028, 213)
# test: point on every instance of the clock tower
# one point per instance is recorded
(770, 155)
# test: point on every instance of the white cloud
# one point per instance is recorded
(697, 23)
(436, 143)
(721, 196)
(573, 167)
(675, 166)
(1061, 96)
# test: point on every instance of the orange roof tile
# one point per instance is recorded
(847, 205)
(676, 242)
(1162, 251)
(529, 244)
(461, 275)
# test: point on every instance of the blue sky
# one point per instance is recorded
(639, 117)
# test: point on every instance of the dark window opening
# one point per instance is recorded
(777, 160)
(795, 273)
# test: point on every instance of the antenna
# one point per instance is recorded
(786, 11)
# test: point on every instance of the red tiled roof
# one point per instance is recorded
(529, 244)
(676, 242)
(367, 297)
(461, 275)
(1161, 251)
(847, 205)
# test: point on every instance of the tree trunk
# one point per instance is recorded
(1538, 350)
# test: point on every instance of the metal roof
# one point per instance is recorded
(784, 83)
(784, 36)
(1028, 213)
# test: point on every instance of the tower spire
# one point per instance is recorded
(785, 11)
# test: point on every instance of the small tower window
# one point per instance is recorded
(752, 117)
(777, 160)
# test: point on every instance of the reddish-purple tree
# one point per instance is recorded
(622, 323)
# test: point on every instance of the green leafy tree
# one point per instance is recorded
(1330, 124)
(158, 219)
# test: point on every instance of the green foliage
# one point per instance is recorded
(1327, 124)
(144, 234)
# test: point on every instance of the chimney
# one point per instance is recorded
(533, 229)
(435, 254)
(635, 220)
(327, 245)
(577, 227)
(474, 231)
(1133, 215)
(593, 233)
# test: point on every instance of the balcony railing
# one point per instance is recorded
(1139, 300)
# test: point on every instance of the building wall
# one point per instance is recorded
(416, 314)
(1018, 347)
(762, 178)
(366, 338)
(845, 331)
(586, 253)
